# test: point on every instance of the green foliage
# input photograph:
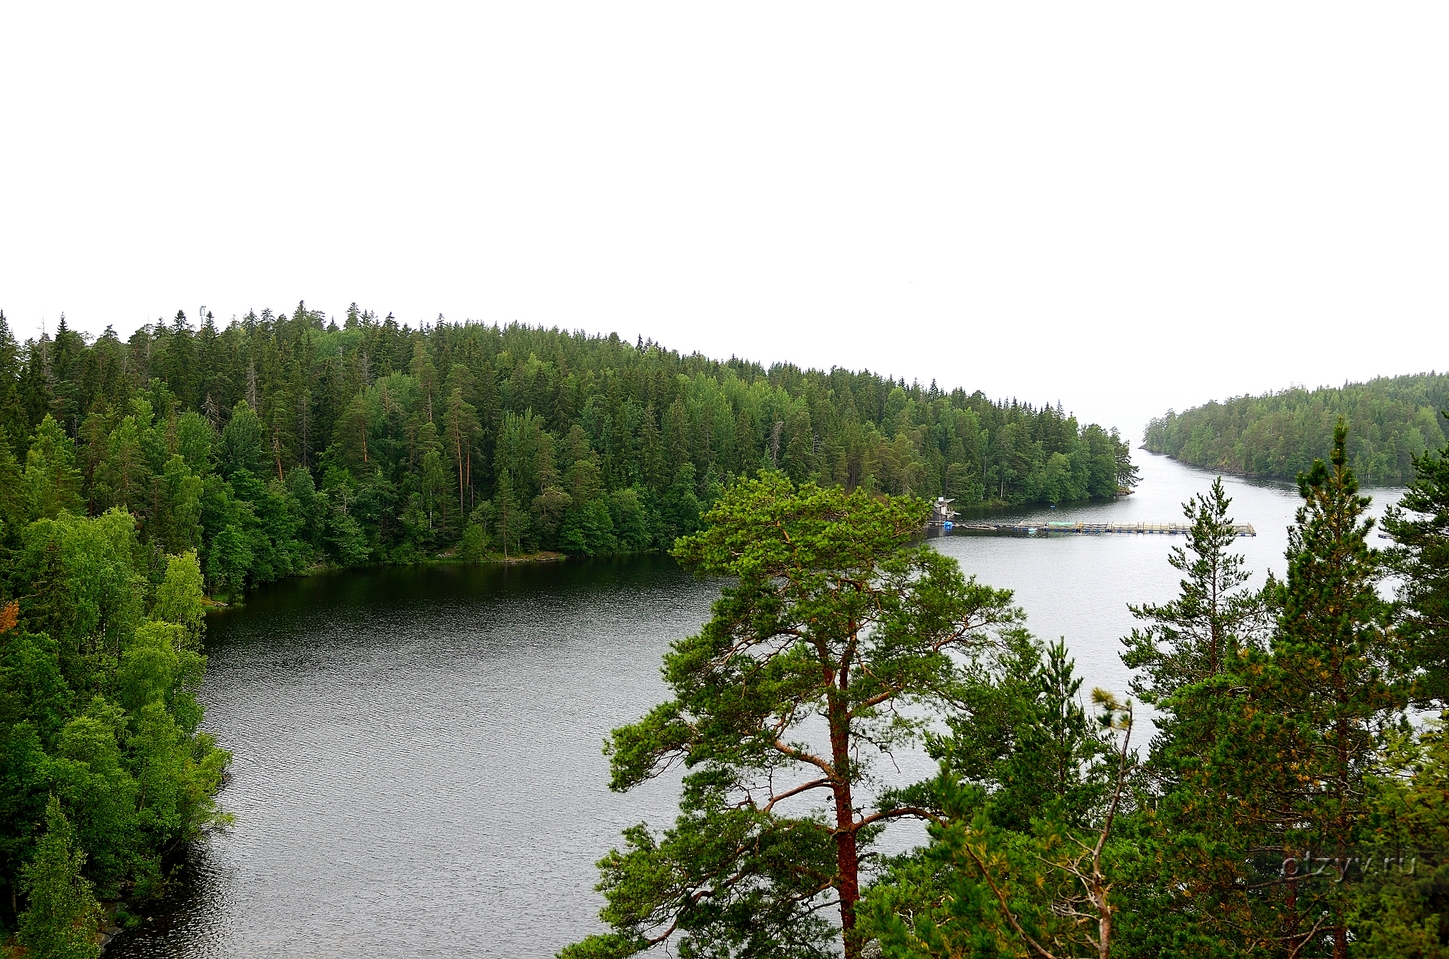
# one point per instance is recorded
(1393, 420)
(62, 917)
(1273, 755)
(98, 712)
(51, 481)
(79, 582)
(1201, 635)
(1193, 656)
(474, 545)
(1022, 859)
(241, 442)
(1401, 906)
(830, 615)
(1419, 526)
(1289, 809)
(284, 441)
(588, 528)
(179, 597)
(630, 518)
(1054, 769)
(1333, 663)
(1332, 675)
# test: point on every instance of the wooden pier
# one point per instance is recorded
(1089, 529)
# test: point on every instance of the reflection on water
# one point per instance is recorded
(417, 751)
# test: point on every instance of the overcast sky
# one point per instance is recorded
(1125, 207)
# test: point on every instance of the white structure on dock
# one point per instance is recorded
(941, 512)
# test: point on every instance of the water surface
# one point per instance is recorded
(417, 751)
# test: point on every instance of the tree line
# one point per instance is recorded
(1287, 805)
(1277, 435)
(279, 441)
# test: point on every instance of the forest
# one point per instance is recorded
(1292, 802)
(142, 479)
(1391, 420)
(282, 442)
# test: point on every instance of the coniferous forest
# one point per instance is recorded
(1291, 802)
(1391, 420)
(139, 477)
(282, 442)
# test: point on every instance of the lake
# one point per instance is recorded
(418, 769)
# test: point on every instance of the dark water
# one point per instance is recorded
(417, 752)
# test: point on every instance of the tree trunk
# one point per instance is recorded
(847, 859)
(847, 862)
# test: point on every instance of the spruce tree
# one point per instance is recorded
(1419, 525)
(1306, 734)
(1202, 633)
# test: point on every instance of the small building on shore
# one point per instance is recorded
(941, 511)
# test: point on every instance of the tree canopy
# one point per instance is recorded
(103, 769)
(832, 625)
(1391, 421)
(281, 441)
(1287, 806)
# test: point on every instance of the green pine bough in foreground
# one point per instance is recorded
(1391, 420)
(1283, 756)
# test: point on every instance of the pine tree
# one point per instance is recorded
(831, 617)
(1023, 860)
(1198, 635)
(1188, 656)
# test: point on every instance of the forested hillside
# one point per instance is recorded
(279, 442)
(1391, 420)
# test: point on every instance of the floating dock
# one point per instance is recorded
(1089, 529)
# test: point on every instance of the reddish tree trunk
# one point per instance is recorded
(847, 859)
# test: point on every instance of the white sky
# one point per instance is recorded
(1127, 207)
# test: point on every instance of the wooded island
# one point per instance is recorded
(1390, 420)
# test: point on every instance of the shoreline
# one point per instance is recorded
(213, 604)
